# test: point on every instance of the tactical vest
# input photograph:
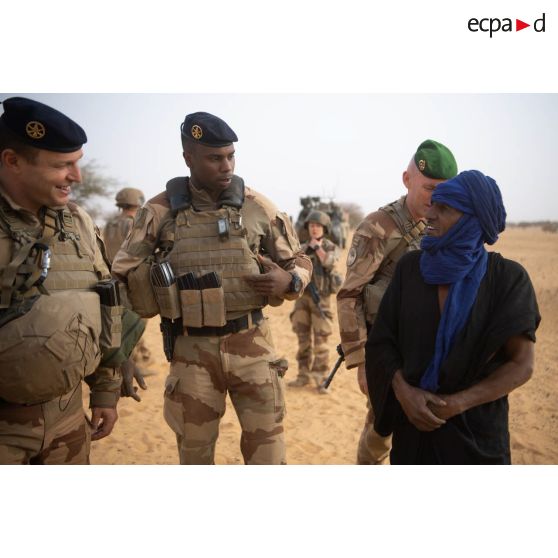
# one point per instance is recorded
(50, 326)
(206, 241)
(411, 233)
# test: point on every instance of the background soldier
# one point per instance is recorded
(312, 311)
(378, 243)
(128, 200)
(213, 230)
(50, 260)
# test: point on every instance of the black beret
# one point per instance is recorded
(41, 126)
(207, 129)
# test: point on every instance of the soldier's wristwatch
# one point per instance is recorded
(296, 284)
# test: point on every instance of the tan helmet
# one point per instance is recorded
(130, 196)
(318, 217)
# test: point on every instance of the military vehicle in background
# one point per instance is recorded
(339, 219)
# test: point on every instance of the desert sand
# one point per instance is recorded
(324, 429)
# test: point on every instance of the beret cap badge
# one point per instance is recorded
(422, 165)
(197, 132)
(35, 130)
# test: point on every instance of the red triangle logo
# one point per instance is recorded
(519, 25)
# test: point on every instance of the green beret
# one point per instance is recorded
(435, 160)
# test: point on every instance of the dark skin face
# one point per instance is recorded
(440, 218)
(211, 168)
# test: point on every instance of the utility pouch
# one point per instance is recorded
(191, 303)
(111, 314)
(111, 327)
(132, 329)
(190, 300)
(168, 301)
(213, 302)
(140, 291)
(48, 350)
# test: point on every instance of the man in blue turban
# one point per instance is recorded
(454, 334)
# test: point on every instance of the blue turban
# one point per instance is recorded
(458, 258)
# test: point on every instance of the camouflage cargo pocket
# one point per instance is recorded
(172, 409)
(278, 369)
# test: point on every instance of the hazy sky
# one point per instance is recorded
(351, 147)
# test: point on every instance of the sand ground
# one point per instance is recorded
(324, 429)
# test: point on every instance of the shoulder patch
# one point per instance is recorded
(351, 256)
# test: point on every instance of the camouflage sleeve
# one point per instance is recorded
(281, 244)
(363, 260)
(140, 243)
(105, 387)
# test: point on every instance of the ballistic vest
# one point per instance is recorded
(216, 240)
(69, 268)
(49, 315)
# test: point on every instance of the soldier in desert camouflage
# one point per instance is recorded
(51, 258)
(378, 243)
(211, 224)
(312, 314)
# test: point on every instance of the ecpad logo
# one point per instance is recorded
(492, 25)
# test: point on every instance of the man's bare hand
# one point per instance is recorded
(102, 421)
(416, 403)
(274, 281)
(129, 372)
(452, 407)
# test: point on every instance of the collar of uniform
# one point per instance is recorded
(201, 200)
(25, 213)
(408, 216)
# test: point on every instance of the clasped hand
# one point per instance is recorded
(273, 282)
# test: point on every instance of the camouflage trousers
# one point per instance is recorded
(203, 371)
(51, 433)
(373, 449)
(313, 362)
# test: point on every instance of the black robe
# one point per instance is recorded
(404, 336)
